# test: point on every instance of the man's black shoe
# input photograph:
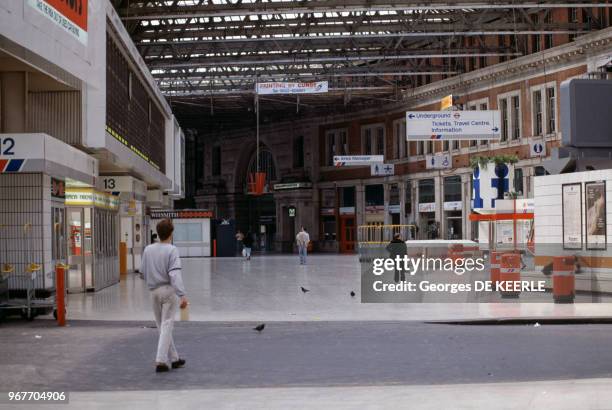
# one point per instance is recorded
(178, 363)
(160, 368)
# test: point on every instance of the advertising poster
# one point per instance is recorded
(595, 215)
(71, 15)
(572, 216)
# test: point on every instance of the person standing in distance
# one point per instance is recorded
(397, 247)
(302, 239)
(239, 239)
(161, 267)
(247, 242)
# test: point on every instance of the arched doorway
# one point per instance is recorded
(261, 209)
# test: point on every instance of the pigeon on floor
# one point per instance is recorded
(352, 294)
(259, 328)
(304, 289)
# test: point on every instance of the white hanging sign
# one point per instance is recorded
(312, 87)
(356, 160)
(458, 125)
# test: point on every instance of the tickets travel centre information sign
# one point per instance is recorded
(455, 125)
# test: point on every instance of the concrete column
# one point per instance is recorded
(316, 204)
(360, 204)
(467, 206)
(13, 102)
(415, 206)
(387, 198)
(528, 180)
(402, 194)
(414, 196)
(439, 188)
(279, 222)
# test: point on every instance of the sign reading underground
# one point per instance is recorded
(458, 125)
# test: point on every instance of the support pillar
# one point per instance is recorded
(387, 197)
(402, 194)
(360, 204)
(13, 102)
(466, 195)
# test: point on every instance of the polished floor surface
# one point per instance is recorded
(267, 288)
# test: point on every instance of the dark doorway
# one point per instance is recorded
(262, 221)
(347, 234)
(288, 232)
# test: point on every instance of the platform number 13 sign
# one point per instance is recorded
(109, 183)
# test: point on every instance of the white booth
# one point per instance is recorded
(192, 230)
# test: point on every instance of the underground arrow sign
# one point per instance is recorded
(445, 125)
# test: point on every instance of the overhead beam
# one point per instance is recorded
(266, 60)
(179, 76)
(356, 37)
(324, 25)
(225, 92)
(324, 6)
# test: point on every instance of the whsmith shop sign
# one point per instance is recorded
(70, 15)
(182, 214)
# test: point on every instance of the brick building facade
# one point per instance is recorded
(332, 201)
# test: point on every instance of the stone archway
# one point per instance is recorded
(257, 213)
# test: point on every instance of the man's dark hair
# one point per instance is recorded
(164, 229)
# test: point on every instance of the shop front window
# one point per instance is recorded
(328, 198)
(518, 181)
(394, 195)
(452, 189)
(374, 195)
(328, 230)
(427, 192)
(540, 171)
(347, 196)
(408, 198)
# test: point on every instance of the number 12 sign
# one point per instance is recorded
(16, 149)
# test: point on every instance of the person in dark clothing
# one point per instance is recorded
(247, 242)
(397, 247)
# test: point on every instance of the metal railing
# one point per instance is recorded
(372, 239)
(379, 234)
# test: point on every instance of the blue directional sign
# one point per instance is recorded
(382, 170)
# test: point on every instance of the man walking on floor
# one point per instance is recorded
(302, 239)
(161, 266)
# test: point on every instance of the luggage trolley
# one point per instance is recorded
(28, 301)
